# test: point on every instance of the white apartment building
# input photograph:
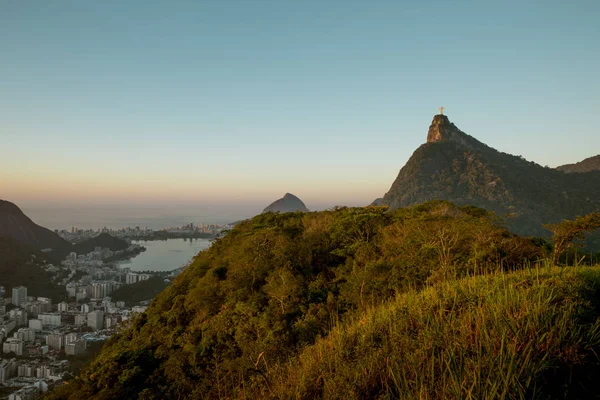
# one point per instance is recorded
(95, 320)
(55, 341)
(52, 320)
(35, 324)
(19, 295)
(133, 277)
(25, 334)
(13, 345)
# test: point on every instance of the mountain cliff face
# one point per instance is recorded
(16, 225)
(288, 203)
(587, 165)
(457, 167)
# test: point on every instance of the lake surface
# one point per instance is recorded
(165, 255)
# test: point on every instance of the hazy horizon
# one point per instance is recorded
(153, 216)
(236, 103)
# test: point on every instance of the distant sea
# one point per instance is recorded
(119, 217)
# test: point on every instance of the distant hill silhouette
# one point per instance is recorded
(15, 224)
(457, 167)
(102, 240)
(587, 165)
(288, 203)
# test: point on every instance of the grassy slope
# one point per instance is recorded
(515, 335)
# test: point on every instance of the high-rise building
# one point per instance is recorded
(95, 319)
(19, 316)
(35, 324)
(55, 341)
(50, 319)
(8, 368)
(25, 334)
(19, 295)
(26, 370)
(63, 307)
(13, 345)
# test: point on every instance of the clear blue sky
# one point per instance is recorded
(242, 101)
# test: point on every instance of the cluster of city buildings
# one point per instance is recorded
(133, 233)
(77, 235)
(37, 337)
(210, 229)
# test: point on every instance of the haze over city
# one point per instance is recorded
(231, 104)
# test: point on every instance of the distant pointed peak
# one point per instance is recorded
(288, 203)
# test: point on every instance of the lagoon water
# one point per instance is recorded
(165, 255)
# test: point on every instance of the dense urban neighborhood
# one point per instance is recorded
(40, 338)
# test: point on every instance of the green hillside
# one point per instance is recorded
(278, 282)
(531, 334)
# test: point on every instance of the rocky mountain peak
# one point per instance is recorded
(442, 130)
(288, 203)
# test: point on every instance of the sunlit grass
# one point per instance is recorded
(500, 335)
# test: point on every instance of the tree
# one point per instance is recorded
(282, 285)
(569, 234)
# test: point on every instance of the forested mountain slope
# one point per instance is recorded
(457, 167)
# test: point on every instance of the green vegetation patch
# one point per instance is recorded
(528, 334)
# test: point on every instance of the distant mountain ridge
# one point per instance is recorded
(15, 224)
(587, 165)
(288, 203)
(455, 166)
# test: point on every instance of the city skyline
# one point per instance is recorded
(229, 105)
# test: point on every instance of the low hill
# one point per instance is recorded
(103, 240)
(15, 224)
(276, 283)
(456, 167)
(20, 265)
(288, 203)
(587, 165)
